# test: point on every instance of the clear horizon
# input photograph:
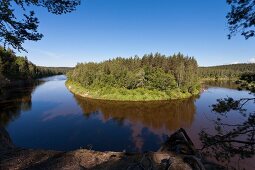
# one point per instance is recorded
(99, 30)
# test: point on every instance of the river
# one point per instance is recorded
(47, 115)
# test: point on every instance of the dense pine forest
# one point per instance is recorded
(14, 68)
(232, 71)
(151, 77)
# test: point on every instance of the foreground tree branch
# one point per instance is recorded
(241, 18)
(15, 31)
(230, 140)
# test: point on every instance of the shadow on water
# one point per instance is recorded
(228, 84)
(231, 141)
(170, 115)
(16, 98)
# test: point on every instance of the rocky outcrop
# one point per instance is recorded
(87, 159)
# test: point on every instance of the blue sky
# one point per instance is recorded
(103, 29)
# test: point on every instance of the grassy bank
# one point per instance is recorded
(122, 94)
(218, 79)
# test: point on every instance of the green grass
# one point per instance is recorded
(122, 94)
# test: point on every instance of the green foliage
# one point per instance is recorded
(230, 140)
(233, 71)
(13, 67)
(241, 18)
(113, 93)
(249, 77)
(152, 75)
(15, 29)
(247, 82)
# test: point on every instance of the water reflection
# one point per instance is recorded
(170, 115)
(223, 84)
(231, 141)
(15, 99)
(48, 116)
(160, 117)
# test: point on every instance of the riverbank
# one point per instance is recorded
(122, 94)
(202, 80)
(13, 157)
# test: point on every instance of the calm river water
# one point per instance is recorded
(46, 115)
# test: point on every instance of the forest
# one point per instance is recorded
(232, 71)
(152, 77)
(14, 68)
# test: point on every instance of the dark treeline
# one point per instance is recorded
(249, 77)
(226, 71)
(13, 67)
(17, 96)
(247, 82)
(153, 72)
(54, 70)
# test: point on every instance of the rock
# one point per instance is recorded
(179, 166)
(170, 161)
(158, 157)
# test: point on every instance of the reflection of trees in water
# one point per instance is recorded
(230, 140)
(14, 99)
(223, 84)
(159, 117)
(170, 115)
